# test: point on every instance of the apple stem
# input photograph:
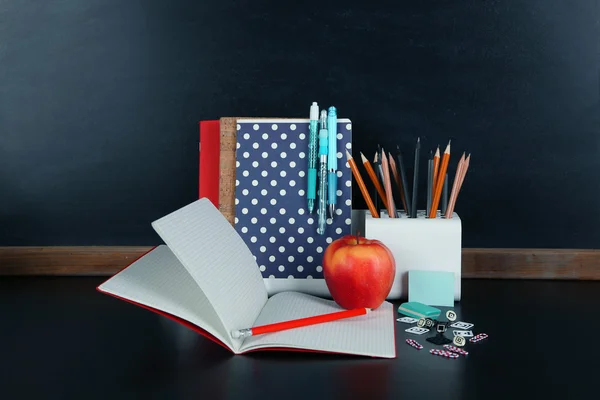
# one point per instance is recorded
(357, 236)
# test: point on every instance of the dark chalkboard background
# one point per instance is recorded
(100, 99)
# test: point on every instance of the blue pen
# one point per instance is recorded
(332, 158)
(312, 157)
(322, 174)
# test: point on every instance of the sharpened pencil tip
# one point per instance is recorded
(363, 158)
(348, 155)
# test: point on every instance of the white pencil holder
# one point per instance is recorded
(422, 243)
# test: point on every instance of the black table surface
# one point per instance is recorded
(60, 338)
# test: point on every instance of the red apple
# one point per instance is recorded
(359, 272)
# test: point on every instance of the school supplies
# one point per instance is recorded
(332, 159)
(414, 343)
(434, 288)
(410, 241)
(418, 310)
(453, 346)
(373, 178)
(208, 177)
(379, 169)
(413, 212)
(397, 180)
(298, 323)
(270, 200)
(436, 167)
(460, 177)
(445, 195)
(440, 182)
(311, 190)
(361, 185)
(429, 182)
(323, 150)
(387, 184)
(404, 180)
(226, 167)
(206, 278)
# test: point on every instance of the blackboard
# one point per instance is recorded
(100, 101)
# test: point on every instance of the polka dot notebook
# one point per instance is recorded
(271, 210)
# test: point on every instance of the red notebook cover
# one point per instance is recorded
(208, 184)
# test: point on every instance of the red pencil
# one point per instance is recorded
(297, 323)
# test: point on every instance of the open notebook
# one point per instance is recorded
(206, 278)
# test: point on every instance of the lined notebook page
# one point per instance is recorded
(218, 260)
(369, 335)
(158, 280)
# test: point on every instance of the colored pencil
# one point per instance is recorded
(464, 172)
(436, 166)
(379, 199)
(361, 185)
(380, 174)
(382, 179)
(455, 184)
(445, 196)
(388, 184)
(298, 323)
(415, 187)
(454, 196)
(397, 180)
(374, 179)
(404, 180)
(440, 182)
(429, 183)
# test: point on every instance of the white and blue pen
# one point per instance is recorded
(332, 159)
(323, 138)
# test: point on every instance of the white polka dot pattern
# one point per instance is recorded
(271, 205)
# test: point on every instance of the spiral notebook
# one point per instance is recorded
(271, 212)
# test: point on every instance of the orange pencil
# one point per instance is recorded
(455, 184)
(388, 184)
(462, 178)
(298, 323)
(436, 166)
(362, 186)
(397, 179)
(374, 179)
(440, 182)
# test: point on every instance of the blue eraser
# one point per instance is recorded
(418, 310)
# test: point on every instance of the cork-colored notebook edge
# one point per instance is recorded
(228, 141)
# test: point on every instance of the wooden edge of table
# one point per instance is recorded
(567, 264)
